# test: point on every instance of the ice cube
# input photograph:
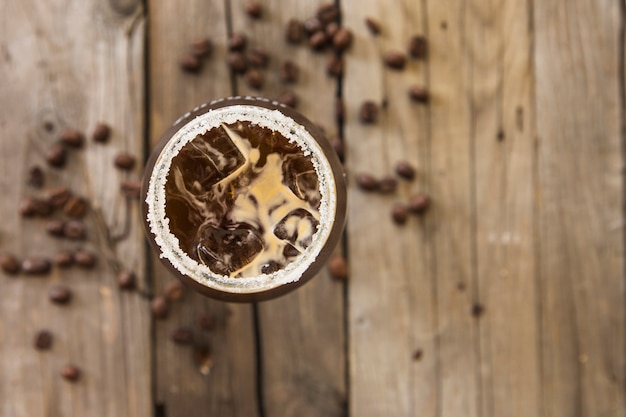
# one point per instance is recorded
(297, 228)
(225, 250)
(300, 176)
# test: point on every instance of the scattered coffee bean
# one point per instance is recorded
(124, 160)
(337, 144)
(237, 62)
(30, 207)
(478, 310)
(254, 9)
(237, 42)
(126, 280)
(328, 13)
(387, 184)
(74, 230)
(338, 267)
(372, 25)
(254, 79)
(60, 294)
(312, 26)
(318, 40)
(36, 266)
(35, 177)
(58, 197)
(399, 213)
(366, 182)
(70, 373)
(72, 138)
(419, 203)
(206, 322)
(289, 72)
(419, 94)
(395, 60)
(331, 29)
(405, 170)
(85, 259)
(417, 354)
(76, 207)
(131, 188)
(500, 135)
(288, 98)
(294, 32)
(418, 47)
(461, 286)
(56, 156)
(258, 58)
(334, 66)
(159, 307)
(174, 290)
(201, 47)
(342, 39)
(190, 63)
(64, 259)
(182, 336)
(368, 112)
(340, 109)
(55, 228)
(43, 340)
(101, 133)
(9, 263)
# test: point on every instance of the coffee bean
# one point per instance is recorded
(101, 133)
(70, 373)
(318, 40)
(85, 259)
(399, 213)
(258, 58)
(72, 138)
(417, 355)
(60, 294)
(126, 280)
(76, 207)
(56, 156)
(159, 307)
(419, 203)
(338, 267)
(366, 182)
(237, 62)
(190, 63)
(337, 144)
(327, 13)
(131, 188)
(182, 336)
(395, 60)
(9, 263)
(288, 98)
(43, 340)
(254, 79)
(405, 170)
(253, 9)
(124, 160)
(64, 259)
(478, 310)
(174, 290)
(418, 47)
(294, 32)
(206, 322)
(74, 230)
(368, 112)
(36, 266)
(387, 184)
(334, 66)
(340, 109)
(30, 206)
(372, 25)
(237, 42)
(201, 47)
(55, 228)
(331, 29)
(342, 39)
(289, 72)
(312, 26)
(419, 94)
(58, 197)
(35, 177)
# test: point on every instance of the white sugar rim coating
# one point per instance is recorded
(169, 243)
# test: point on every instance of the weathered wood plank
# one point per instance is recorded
(302, 334)
(581, 223)
(68, 64)
(181, 389)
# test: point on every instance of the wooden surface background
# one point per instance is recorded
(521, 149)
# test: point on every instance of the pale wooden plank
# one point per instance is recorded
(392, 309)
(181, 389)
(68, 64)
(580, 162)
(302, 334)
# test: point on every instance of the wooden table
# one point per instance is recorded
(506, 299)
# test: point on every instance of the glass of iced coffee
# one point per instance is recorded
(244, 199)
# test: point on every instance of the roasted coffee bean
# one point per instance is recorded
(405, 170)
(85, 259)
(72, 138)
(182, 336)
(258, 58)
(340, 109)
(419, 203)
(312, 26)
(399, 213)
(372, 25)
(56, 156)
(417, 355)
(131, 188)
(288, 98)
(478, 310)
(331, 29)
(64, 259)
(366, 182)
(55, 227)
(253, 9)
(237, 42)
(36, 265)
(43, 340)
(254, 79)
(159, 307)
(124, 160)
(338, 267)
(419, 94)
(60, 294)
(289, 72)
(59, 196)
(294, 32)
(70, 373)
(9, 263)
(201, 47)
(328, 13)
(418, 47)
(36, 177)
(30, 207)
(237, 62)
(334, 66)
(206, 322)
(337, 144)
(190, 63)
(126, 280)
(101, 133)
(74, 230)
(368, 112)
(76, 207)
(342, 39)
(318, 40)
(174, 290)
(395, 60)
(387, 184)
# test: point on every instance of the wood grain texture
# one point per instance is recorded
(581, 224)
(68, 64)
